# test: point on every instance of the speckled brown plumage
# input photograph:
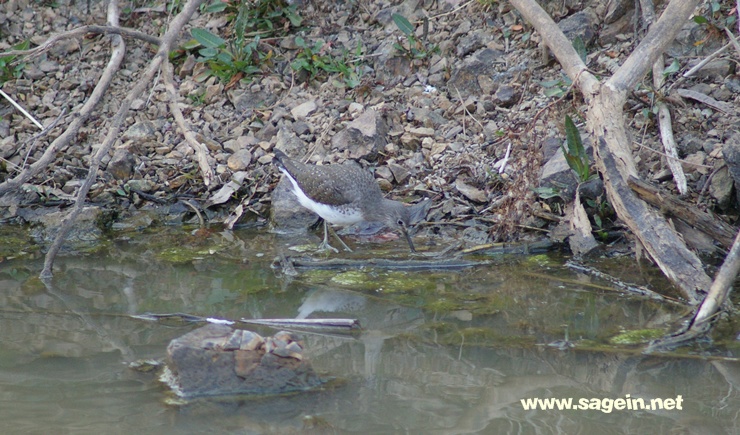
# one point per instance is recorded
(344, 194)
(336, 185)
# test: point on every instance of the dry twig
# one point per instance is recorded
(81, 31)
(61, 142)
(201, 152)
(146, 78)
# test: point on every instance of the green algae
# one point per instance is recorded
(638, 336)
(16, 243)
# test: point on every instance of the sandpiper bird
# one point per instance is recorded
(344, 195)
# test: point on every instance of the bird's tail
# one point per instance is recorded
(278, 159)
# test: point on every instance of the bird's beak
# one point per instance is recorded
(406, 234)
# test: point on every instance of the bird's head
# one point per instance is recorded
(402, 218)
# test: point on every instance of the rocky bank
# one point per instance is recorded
(476, 123)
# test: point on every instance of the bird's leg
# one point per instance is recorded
(323, 246)
(346, 248)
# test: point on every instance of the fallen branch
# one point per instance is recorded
(720, 289)
(672, 206)
(81, 31)
(342, 264)
(612, 151)
(621, 285)
(22, 110)
(313, 324)
(63, 140)
(665, 125)
(201, 152)
(708, 311)
(146, 78)
(706, 99)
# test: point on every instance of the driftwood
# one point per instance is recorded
(201, 152)
(621, 286)
(335, 324)
(290, 263)
(537, 247)
(615, 163)
(612, 148)
(669, 205)
(313, 324)
(664, 114)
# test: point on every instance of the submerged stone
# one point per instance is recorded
(217, 360)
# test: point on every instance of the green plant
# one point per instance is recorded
(547, 192)
(719, 16)
(9, 69)
(314, 60)
(575, 153)
(226, 59)
(417, 49)
(603, 211)
(580, 47)
(174, 7)
(265, 16)
(197, 98)
(556, 88)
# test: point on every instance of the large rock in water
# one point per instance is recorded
(216, 360)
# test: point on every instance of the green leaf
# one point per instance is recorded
(208, 53)
(190, 45)
(295, 19)
(546, 192)
(698, 19)
(23, 45)
(225, 58)
(403, 24)
(580, 48)
(551, 83)
(217, 6)
(575, 154)
(674, 67)
(553, 92)
(207, 39)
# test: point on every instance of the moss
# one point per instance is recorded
(352, 278)
(637, 337)
(15, 243)
(184, 254)
(317, 276)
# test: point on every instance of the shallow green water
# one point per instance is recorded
(441, 352)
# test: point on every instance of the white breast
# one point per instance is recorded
(342, 217)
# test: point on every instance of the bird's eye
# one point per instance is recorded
(400, 222)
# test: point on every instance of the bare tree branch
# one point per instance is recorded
(61, 142)
(720, 287)
(81, 31)
(146, 78)
(647, 51)
(665, 123)
(612, 151)
(201, 152)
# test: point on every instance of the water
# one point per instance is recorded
(441, 352)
